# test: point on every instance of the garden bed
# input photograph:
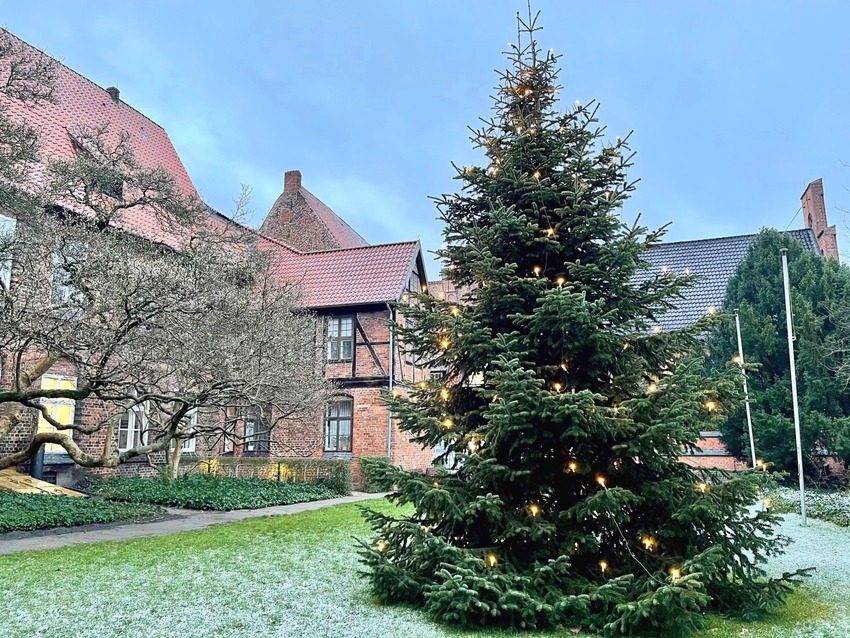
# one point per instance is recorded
(205, 492)
(27, 512)
(828, 506)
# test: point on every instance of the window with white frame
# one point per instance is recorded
(132, 428)
(7, 234)
(188, 427)
(60, 410)
(340, 338)
(338, 425)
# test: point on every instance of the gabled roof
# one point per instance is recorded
(341, 231)
(301, 220)
(82, 103)
(348, 277)
(355, 274)
(714, 261)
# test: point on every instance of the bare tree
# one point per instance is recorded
(182, 328)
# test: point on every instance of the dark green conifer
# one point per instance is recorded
(565, 409)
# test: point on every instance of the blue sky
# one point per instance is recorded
(735, 106)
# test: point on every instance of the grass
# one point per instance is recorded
(205, 492)
(297, 576)
(26, 512)
(832, 506)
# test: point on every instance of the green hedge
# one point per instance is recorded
(208, 492)
(42, 511)
(332, 473)
(372, 474)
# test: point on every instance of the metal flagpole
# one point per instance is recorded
(746, 392)
(794, 384)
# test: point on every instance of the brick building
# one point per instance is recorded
(715, 261)
(350, 284)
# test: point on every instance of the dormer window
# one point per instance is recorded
(340, 338)
(104, 179)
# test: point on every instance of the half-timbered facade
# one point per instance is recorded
(350, 284)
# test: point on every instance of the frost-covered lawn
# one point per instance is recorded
(297, 576)
(832, 506)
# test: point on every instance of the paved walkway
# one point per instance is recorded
(177, 520)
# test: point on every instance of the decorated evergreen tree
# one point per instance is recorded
(565, 407)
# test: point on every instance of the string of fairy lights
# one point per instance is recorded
(648, 541)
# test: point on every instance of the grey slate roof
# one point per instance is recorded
(714, 261)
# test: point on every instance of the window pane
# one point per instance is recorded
(330, 435)
(345, 408)
(333, 328)
(123, 432)
(333, 350)
(346, 349)
(345, 435)
(345, 327)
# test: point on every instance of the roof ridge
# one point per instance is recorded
(366, 247)
(338, 218)
(693, 241)
(80, 75)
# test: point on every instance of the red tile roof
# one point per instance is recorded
(342, 232)
(347, 277)
(357, 274)
(82, 103)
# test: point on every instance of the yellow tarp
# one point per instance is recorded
(13, 481)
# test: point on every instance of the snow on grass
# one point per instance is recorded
(829, 506)
(297, 576)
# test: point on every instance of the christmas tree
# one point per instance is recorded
(565, 407)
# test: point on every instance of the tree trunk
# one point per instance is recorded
(173, 459)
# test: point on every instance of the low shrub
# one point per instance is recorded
(332, 473)
(828, 506)
(26, 512)
(210, 492)
(371, 474)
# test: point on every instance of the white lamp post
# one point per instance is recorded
(794, 385)
(746, 392)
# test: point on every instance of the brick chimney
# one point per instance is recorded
(291, 181)
(113, 93)
(814, 217)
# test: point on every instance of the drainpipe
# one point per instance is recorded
(37, 464)
(390, 386)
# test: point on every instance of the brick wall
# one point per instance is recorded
(814, 217)
(292, 221)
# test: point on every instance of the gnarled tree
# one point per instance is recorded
(158, 308)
